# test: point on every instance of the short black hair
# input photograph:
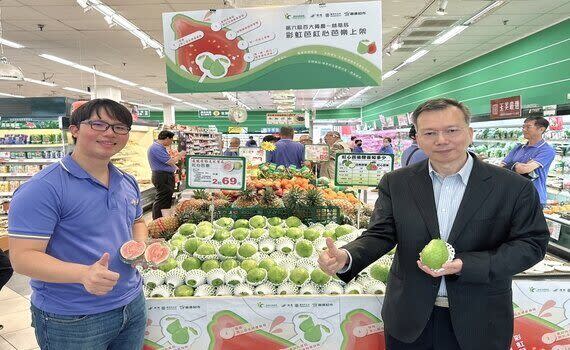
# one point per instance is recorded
(440, 104)
(352, 138)
(287, 131)
(389, 139)
(114, 110)
(412, 133)
(165, 134)
(356, 142)
(251, 137)
(270, 138)
(539, 121)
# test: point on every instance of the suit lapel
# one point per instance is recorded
(421, 188)
(477, 190)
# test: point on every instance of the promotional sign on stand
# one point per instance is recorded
(317, 153)
(215, 172)
(274, 48)
(252, 155)
(362, 169)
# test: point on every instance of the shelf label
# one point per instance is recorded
(252, 155)
(215, 172)
(508, 107)
(554, 228)
(317, 153)
(362, 169)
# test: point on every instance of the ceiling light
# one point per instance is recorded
(11, 44)
(353, 97)
(39, 82)
(442, 5)
(389, 74)
(10, 95)
(156, 92)
(416, 56)
(77, 90)
(194, 105)
(87, 69)
(479, 15)
(449, 34)
(8, 71)
(234, 99)
(396, 44)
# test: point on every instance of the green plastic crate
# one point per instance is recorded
(308, 215)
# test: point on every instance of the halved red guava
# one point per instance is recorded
(531, 329)
(156, 253)
(132, 250)
(359, 318)
(213, 42)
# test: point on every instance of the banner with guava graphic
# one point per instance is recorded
(274, 48)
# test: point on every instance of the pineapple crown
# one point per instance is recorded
(201, 194)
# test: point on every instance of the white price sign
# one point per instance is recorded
(227, 173)
(317, 153)
(253, 155)
(362, 169)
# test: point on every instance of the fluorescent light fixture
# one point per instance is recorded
(316, 94)
(389, 74)
(39, 82)
(400, 66)
(112, 18)
(156, 92)
(10, 95)
(235, 100)
(11, 43)
(194, 105)
(479, 15)
(87, 69)
(449, 34)
(416, 56)
(353, 97)
(77, 90)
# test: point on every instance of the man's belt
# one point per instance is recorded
(442, 302)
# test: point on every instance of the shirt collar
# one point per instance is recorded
(464, 172)
(70, 165)
(539, 144)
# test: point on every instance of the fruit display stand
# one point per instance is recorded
(133, 160)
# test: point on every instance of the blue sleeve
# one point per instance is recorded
(302, 154)
(161, 155)
(34, 211)
(509, 158)
(269, 157)
(418, 156)
(545, 156)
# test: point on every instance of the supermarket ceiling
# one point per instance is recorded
(63, 29)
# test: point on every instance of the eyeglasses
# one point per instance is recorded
(99, 125)
(528, 126)
(448, 133)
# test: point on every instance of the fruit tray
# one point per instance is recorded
(308, 215)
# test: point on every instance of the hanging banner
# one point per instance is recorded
(252, 155)
(362, 169)
(226, 173)
(285, 119)
(274, 48)
(509, 107)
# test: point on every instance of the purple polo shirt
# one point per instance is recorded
(288, 152)
(81, 220)
(543, 154)
(157, 158)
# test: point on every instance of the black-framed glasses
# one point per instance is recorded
(99, 125)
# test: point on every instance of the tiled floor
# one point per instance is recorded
(15, 316)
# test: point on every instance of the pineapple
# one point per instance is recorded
(247, 198)
(202, 194)
(345, 206)
(163, 227)
(197, 215)
(221, 200)
(269, 199)
(295, 199)
(315, 198)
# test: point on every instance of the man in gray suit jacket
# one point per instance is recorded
(493, 219)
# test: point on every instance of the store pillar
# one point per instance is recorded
(168, 114)
(110, 92)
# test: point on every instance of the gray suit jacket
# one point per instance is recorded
(499, 231)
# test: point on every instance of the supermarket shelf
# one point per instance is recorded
(39, 145)
(28, 161)
(15, 175)
(557, 219)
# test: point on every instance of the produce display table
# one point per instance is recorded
(541, 305)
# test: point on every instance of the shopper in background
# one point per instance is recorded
(270, 138)
(386, 146)
(412, 154)
(66, 226)
(233, 150)
(533, 159)
(491, 217)
(352, 142)
(333, 140)
(251, 142)
(163, 167)
(358, 147)
(5, 272)
(287, 152)
(305, 140)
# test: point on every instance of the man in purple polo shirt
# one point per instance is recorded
(66, 226)
(533, 159)
(163, 167)
(288, 152)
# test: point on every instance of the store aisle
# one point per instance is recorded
(17, 333)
